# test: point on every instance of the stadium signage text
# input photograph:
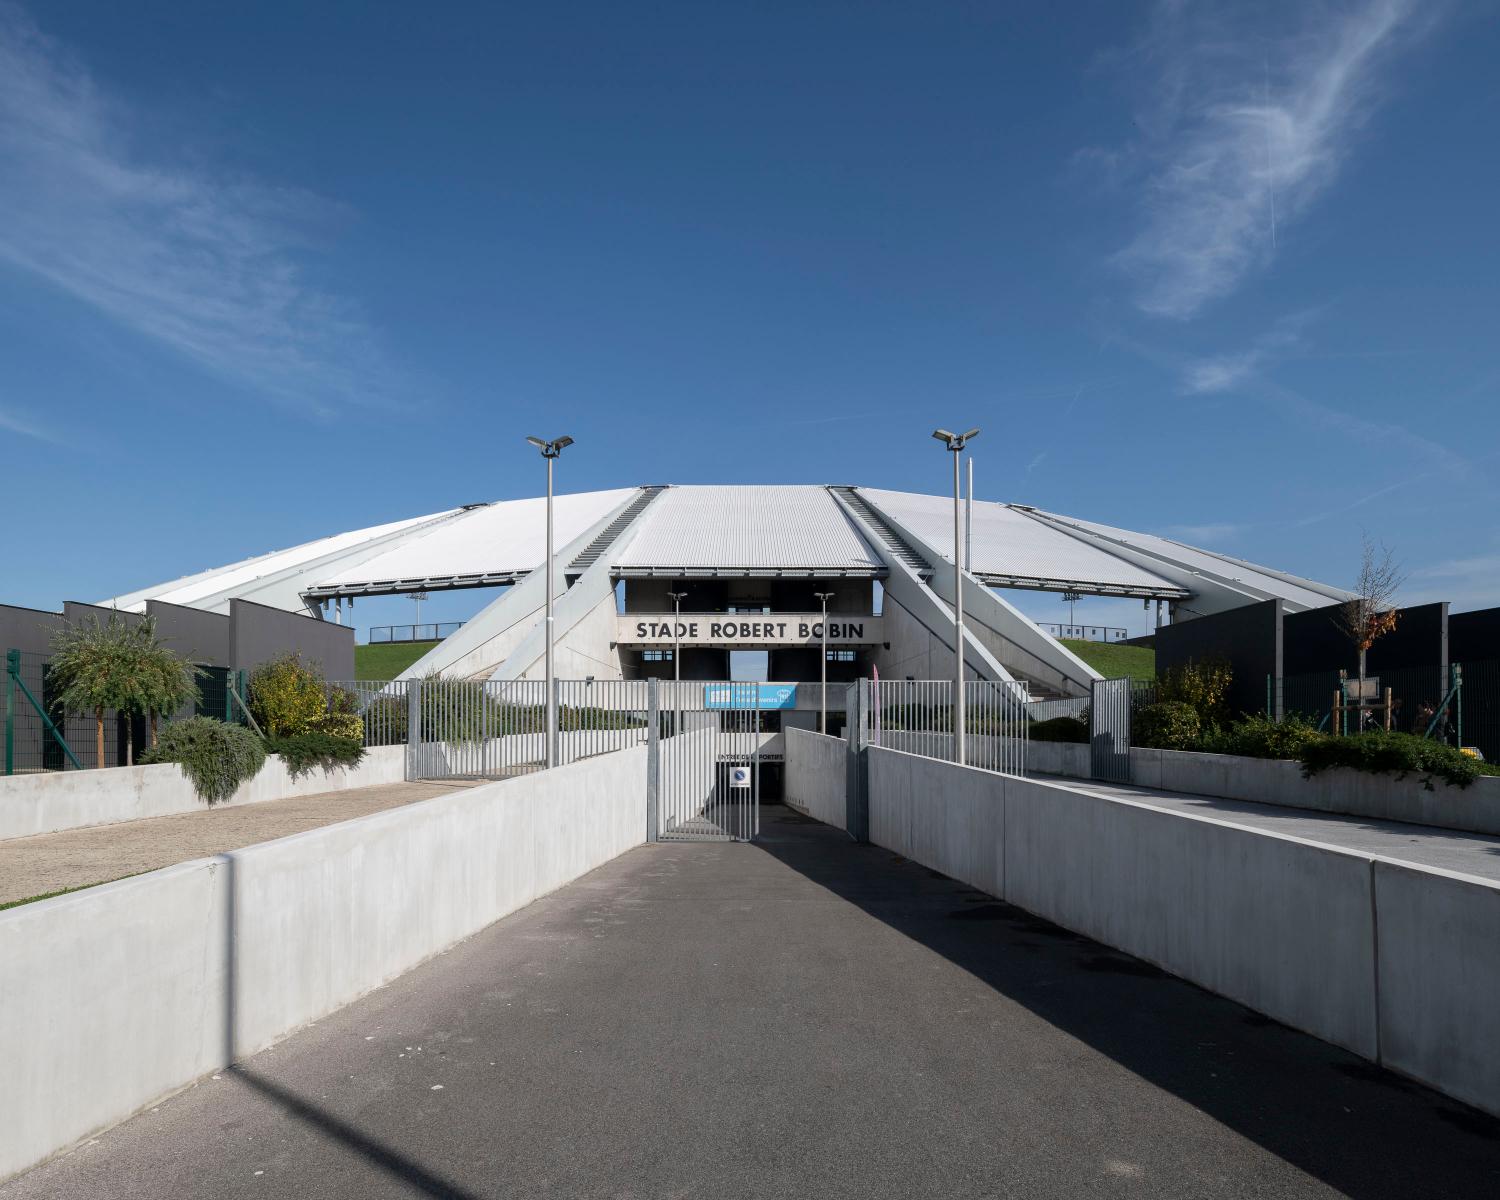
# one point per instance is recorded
(747, 629)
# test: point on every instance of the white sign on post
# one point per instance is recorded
(739, 777)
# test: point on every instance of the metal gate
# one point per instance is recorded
(1109, 731)
(706, 768)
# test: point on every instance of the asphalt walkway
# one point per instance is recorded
(798, 1017)
(73, 858)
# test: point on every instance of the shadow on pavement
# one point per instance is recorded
(1353, 1125)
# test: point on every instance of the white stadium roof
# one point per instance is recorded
(740, 530)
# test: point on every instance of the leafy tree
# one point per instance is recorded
(1370, 613)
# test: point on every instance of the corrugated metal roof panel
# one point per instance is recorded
(1298, 591)
(510, 535)
(732, 529)
(1010, 543)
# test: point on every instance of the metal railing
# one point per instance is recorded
(432, 632)
(916, 715)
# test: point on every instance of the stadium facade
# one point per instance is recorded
(745, 565)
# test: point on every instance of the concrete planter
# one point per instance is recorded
(46, 803)
(1474, 809)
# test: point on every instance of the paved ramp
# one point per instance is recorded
(797, 1017)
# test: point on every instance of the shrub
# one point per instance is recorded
(1169, 726)
(1202, 686)
(340, 725)
(1260, 737)
(301, 752)
(286, 696)
(1060, 729)
(215, 756)
(1399, 754)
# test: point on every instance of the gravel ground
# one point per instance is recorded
(49, 862)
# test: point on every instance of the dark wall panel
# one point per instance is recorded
(200, 637)
(1248, 638)
(259, 633)
(1474, 636)
(1313, 642)
(27, 629)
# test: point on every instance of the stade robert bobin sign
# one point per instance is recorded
(746, 629)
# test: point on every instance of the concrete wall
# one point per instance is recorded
(815, 776)
(116, 996)
(1396, 963)
(1475, 808)
(45, 803)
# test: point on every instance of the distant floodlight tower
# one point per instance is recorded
(955, 442)
(418, 597)
(550, 450)
(1072, 598)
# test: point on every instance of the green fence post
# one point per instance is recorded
(12, 669)
(228, 696)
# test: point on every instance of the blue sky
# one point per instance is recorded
(1221, 271)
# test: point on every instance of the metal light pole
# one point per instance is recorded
(825, 597)
(677, 599)
(956, 442)
(550, 450)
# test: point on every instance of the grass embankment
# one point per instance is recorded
(388, 659)
(1115, 661)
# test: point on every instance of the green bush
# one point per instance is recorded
(339, 725)
(1202, 686)
(215, 756)
(1060, 729)
(287, 696)
(301, 752)
(1398, 754)
(1261, 737)
(1173, 725)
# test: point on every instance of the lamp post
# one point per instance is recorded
(550, 450)
(955, 442)
(677, 599)
(825, 597)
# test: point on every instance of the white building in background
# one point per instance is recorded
(747, 562)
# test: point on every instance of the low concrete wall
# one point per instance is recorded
(1475, 809)
(118, 995)
(816, 781)
(46, 803)
(1439, 977)
(1397, 963)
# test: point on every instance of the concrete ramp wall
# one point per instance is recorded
(1397, 963)
(114, 997)
(816, 775)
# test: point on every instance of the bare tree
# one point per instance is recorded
(1370, 613)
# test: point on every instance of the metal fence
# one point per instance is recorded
(468, 729)
(1085, 633)
(916, 715)
(432, 632)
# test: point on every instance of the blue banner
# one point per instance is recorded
(750, 695)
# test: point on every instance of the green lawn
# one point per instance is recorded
(1114, 661)
(388, 659)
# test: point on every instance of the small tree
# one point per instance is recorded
(118, 665)
(1370, 613)
(287, 696)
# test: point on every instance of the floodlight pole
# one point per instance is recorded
(550, 450)
(823, 693)
(677, 599)
(955, 443)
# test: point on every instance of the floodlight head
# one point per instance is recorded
(538, 443)
(942, 435)
(561, 442)
(964, 437)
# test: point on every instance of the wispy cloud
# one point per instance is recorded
(1036, 461)
(199, 261)
(1225, 372)
(12, 423)
(1247, 121)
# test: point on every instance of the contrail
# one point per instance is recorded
(1270, 173)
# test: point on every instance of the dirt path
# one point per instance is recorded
(73, 858)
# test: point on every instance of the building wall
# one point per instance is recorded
(1474, 636)
(28, 629)
(1249, 639)
(200, 637)
(259, 633)
(1312, 641)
